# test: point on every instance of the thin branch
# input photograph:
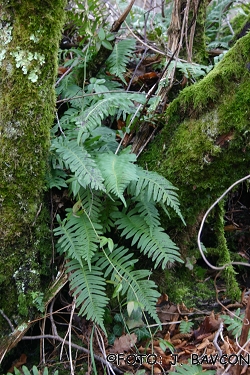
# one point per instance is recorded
(202, 224)
(97, 93)
(70, 342)
(75, 346)
(8, 320)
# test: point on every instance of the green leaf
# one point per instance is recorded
(107, 45)
(156, 188)
(185, 326)
(157, 244)
(118, 171)
(89, 289)
(80, 162)
(135, 283)
(119, 58)
(101, 34)
(79, 238)
(190, 369)
(110, 244)
(164, 344)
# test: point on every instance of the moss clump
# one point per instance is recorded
(204, 146)
(182, 289)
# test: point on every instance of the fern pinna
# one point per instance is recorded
(114, 200)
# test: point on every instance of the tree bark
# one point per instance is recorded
(29, 36)
(204, 145)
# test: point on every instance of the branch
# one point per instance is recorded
(75, 346)
(202, 224)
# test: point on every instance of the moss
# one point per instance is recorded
(204, 145)
(182, 289)
(27, 102)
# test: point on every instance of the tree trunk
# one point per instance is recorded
(204, 145)
(29, 35)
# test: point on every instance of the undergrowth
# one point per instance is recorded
(114, 219)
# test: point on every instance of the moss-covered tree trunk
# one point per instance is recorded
(187, 30)
(29, 35)
(205, 144)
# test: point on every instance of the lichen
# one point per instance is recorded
(29, 62)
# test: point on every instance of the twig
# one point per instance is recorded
(217, 334)
(244, 332)
(8, 320)
(117, 24)
(75, 346)
(96, 93)
(59, 125)
(202, 224)
(237, 355)
(37, 214)
(70, 324)
(100, 341)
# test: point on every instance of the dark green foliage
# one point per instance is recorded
(34, 371)
(113, 198)
(120, 57)
(187, 369)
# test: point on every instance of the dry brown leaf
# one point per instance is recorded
(18, 363)
(124, 343)
(203, 345)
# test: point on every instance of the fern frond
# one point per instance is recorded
(79, 237)
(102, 139)
(157, 188)
(157, 245)
(149, 213)
(119, 58)
(56, 178)
(234, 323)
(190, 369)
(89, 290)
(35, 371)
(135, 283)
(92, 203)
(109, 207)
(80, 162)
(118, 171)
(185, 326)
(110, 105)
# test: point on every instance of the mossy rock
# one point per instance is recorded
(204, 145)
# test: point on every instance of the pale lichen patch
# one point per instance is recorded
(29, 62)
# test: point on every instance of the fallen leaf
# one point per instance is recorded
(124, 343)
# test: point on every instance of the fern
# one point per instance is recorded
(135, 283)
(118, 171)
(185, 326)
(109, 105)
(35, 371)
(149, 212)
(120, 57)
(110, 192)
(89, 288)
(234, 323)
(190, 369)
(92, 204)
(80, 162)
(157, 245)
(78, 237)
(109, 208)
(215, 13)
(156, 188)
(56, 178)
